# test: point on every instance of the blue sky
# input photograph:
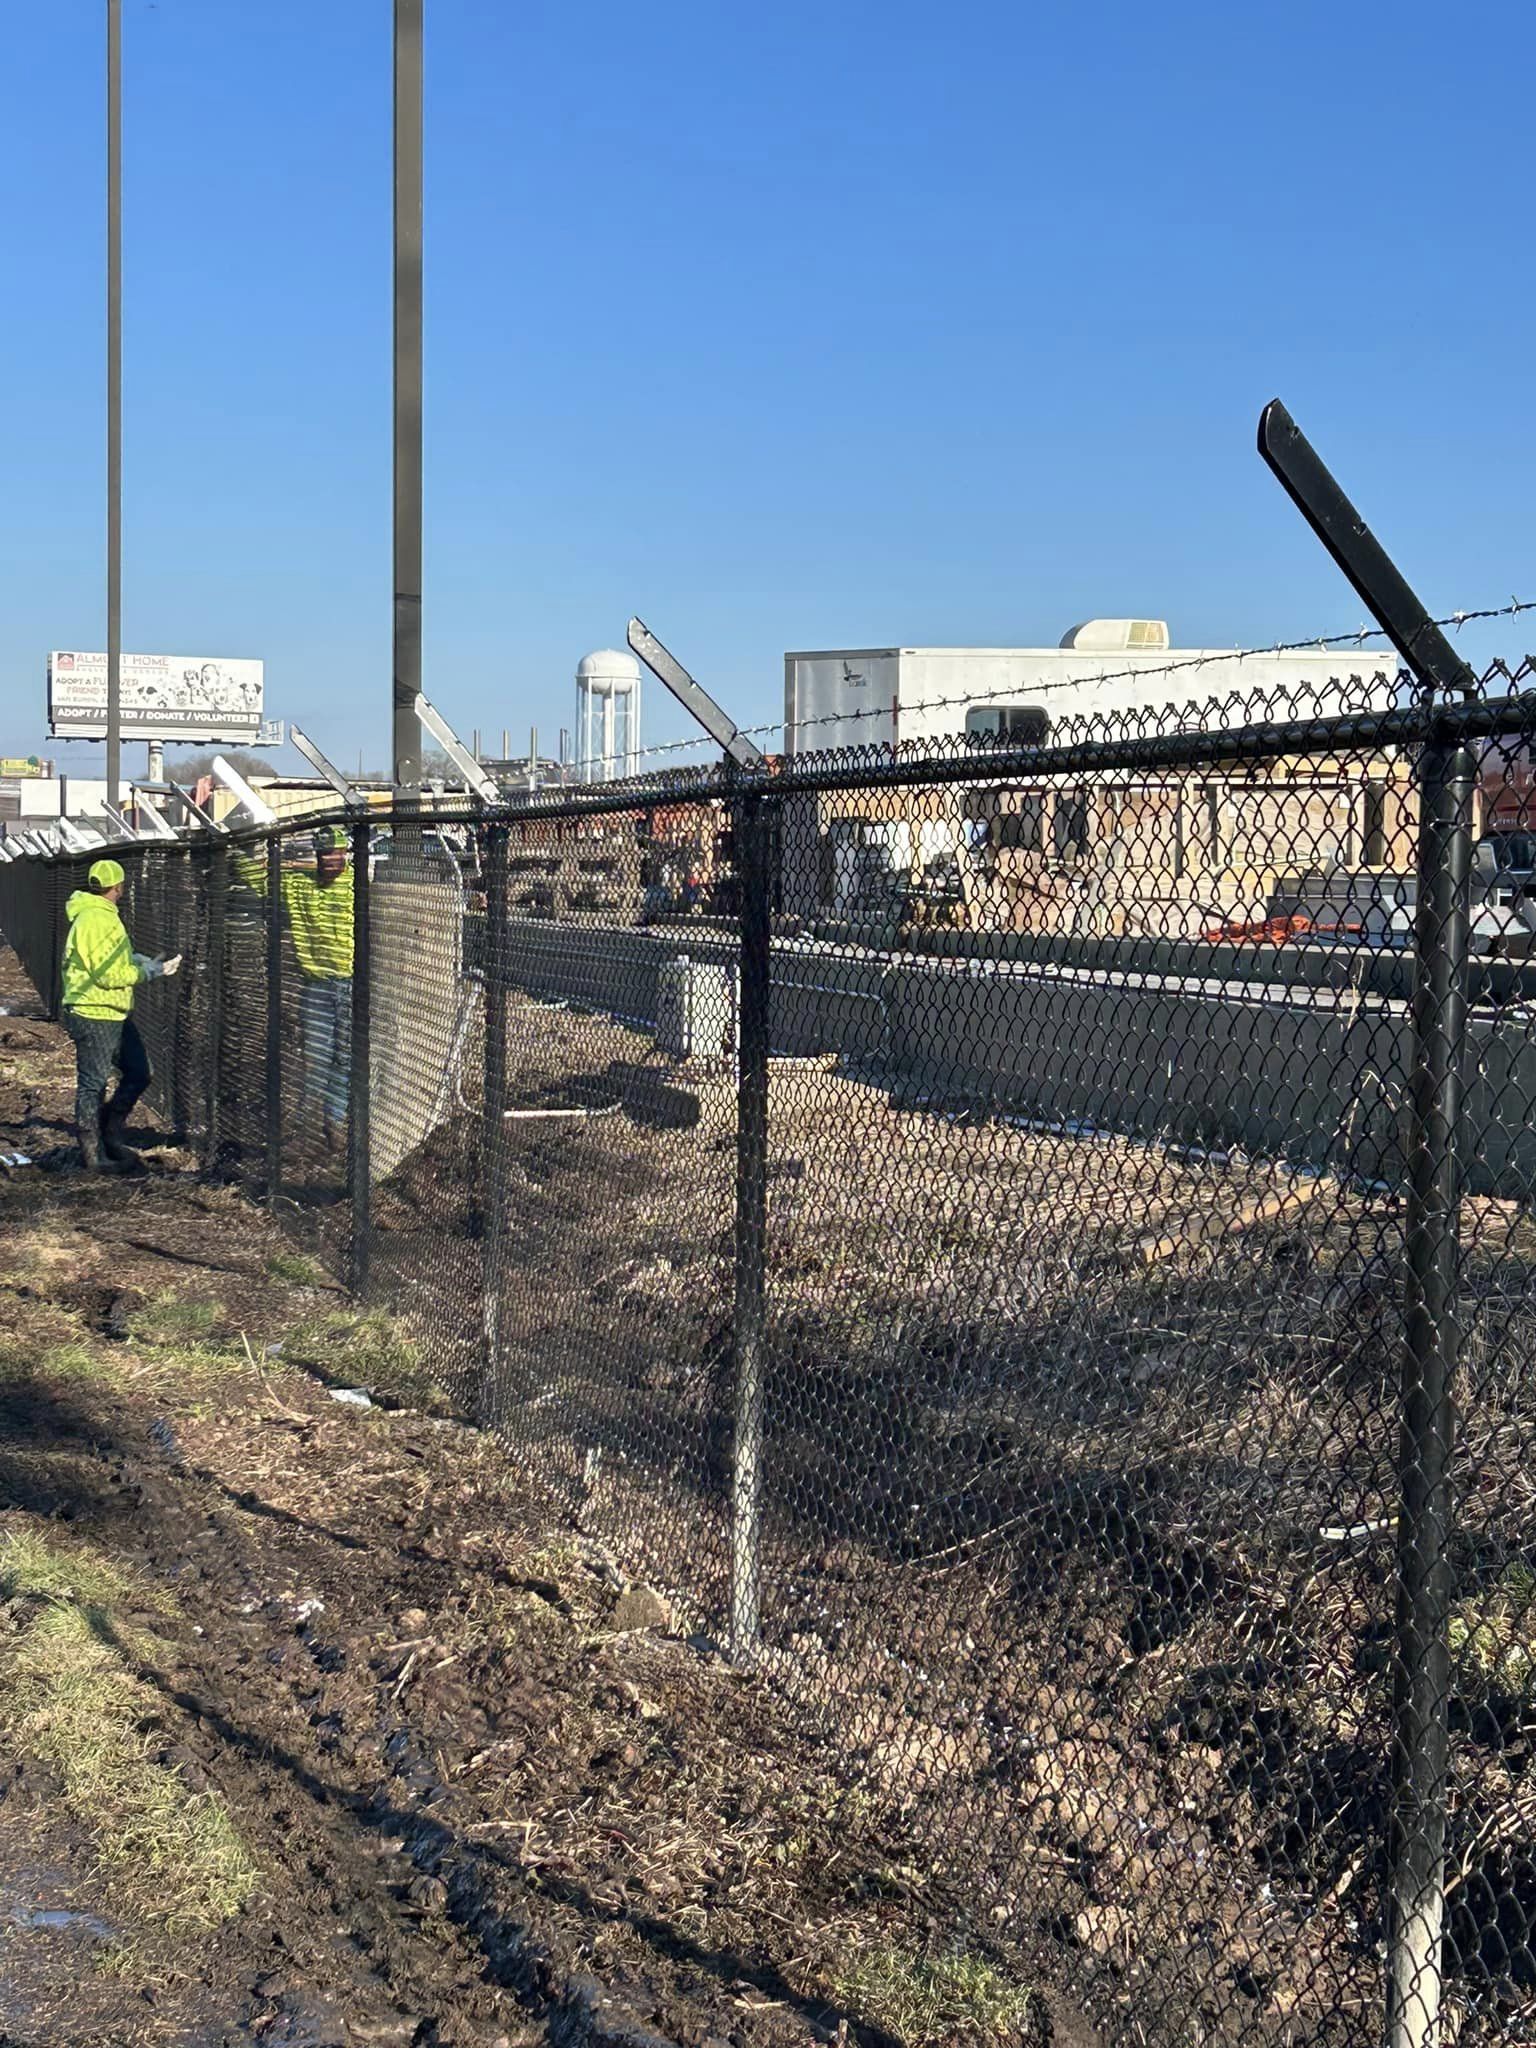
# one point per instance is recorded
(782, 327)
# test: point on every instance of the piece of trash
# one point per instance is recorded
(272, 1351)
(163, 1437)
(306, 1608)
(353, 1396)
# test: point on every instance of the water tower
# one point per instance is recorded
(607, 716)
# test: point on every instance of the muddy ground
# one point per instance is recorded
(487, 1792)
(1079, 1479)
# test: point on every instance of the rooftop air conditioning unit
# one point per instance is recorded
(1118, 636)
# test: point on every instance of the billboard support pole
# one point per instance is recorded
(114, 397)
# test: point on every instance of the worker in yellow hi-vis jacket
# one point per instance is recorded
(320, 906)
(101, 973)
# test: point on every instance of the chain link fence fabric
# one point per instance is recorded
(1028, 1248)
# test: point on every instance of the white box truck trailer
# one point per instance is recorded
(885, 696)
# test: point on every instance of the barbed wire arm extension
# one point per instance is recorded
(741, 751)
(1370, 571)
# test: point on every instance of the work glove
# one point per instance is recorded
(171, 966)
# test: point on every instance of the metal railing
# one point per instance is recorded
(1033, 1249)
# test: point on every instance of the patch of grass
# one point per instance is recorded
(29, 1253)
(173, 1335)
(925, 2000)
(1493, 1637)
(78, 1362)
(365, 1349)
(296, 1270)
(173, 1318)
(171, 1371)
(30, 1565)
(70, 1697)
(811, 1812)
(368, 1340)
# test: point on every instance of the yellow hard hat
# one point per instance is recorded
(107, 872)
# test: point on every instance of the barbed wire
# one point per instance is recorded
(1322, 643)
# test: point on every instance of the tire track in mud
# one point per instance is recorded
(420, 1907)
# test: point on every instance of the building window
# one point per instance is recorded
(1006, 725)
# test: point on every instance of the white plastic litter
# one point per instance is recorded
(308, 1608)
(353, 1396)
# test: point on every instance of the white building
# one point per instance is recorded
(885, 696)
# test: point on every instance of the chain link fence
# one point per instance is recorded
(1032, 1248)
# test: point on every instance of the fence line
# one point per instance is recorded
(1000, 1237)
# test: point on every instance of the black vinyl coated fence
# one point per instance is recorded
(1033, 1248)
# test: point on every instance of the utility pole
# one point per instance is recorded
(114, 397)
(408, 381)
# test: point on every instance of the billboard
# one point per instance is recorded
(163, 697)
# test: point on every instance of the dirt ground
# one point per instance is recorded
(1078, 1506)
(406, 1760)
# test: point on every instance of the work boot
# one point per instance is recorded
(91, 1155)
(114, 1128)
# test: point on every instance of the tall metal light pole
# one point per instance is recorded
(114, 397)
(408, 238)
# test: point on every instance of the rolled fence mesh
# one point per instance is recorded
(1027, 1247)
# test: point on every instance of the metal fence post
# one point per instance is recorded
(176, 923)
(493, 1141)
(360, 1094)
(53, 898)
(274, 1049)
(752, 863)
(1422, 1680)
(218, 891)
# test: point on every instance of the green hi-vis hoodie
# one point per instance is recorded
(101, 970)
(320, 916)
